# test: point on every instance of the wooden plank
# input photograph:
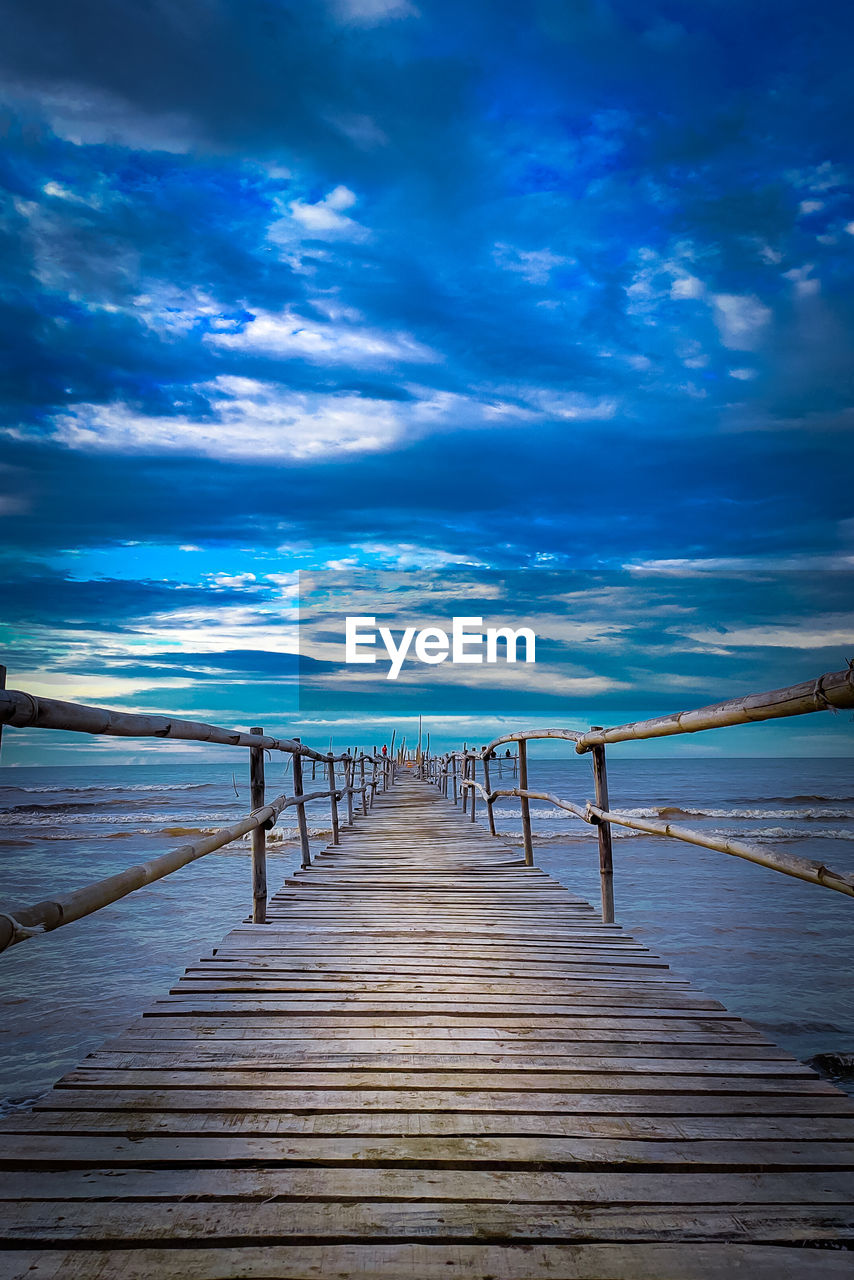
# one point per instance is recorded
(383, 1222)
(198, 1098)
(503, 1261)
(323, 1120)
(63, 1150)
(339, 1183)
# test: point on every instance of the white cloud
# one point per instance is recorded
(744, 375)
(805, 284)
(814, 634)
(87, 116)
(740, 319)
(288, 335)
(325, 219)
(810, 206)
(574, 406)
(534, 265)
(251, 419)
(687, 287)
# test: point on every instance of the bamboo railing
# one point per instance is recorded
(830, 692)
(21, 710)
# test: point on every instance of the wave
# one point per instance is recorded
(817, 814)
(821, 814)
(58, 789)
(53, 818)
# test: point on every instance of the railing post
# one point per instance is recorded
(471, 789)
(527, 841)
(464, 773)
(333, 799)
(373, 779)
(362, 782)
(350, 778)
(603, 830)
(488, 789)
(302, 822)
(454, 775)
(259, 835)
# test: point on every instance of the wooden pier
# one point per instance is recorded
(431, 1061)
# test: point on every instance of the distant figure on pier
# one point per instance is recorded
(507, 754)
(385, 750)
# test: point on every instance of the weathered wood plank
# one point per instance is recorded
(504, 1261)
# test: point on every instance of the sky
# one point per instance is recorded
(437, 289)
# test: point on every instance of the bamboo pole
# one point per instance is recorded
(464, 778)
(24, 922)
(454, 776)
(527, 839)
(362, 782)
(833, 690)
(333, 799)
(259, 833)
(302, 821)
(603, 831)
(788, 863)
(20, 923)
(24, 710)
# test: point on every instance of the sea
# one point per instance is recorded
(775, 950)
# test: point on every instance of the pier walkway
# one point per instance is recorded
(431, 1061)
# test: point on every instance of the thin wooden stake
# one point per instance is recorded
(349, 776)
(527, 839)
(333, 799)
(259, 835)
(473, 776)
(603, 829)
(489, 814)
(302, 822)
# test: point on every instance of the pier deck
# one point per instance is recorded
(431, 1062)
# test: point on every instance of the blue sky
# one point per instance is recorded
(423, 287)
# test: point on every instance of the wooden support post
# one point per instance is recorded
(373, 779)
(349, 778)
(2, 686)
(454, 775)
(489, 803)
(464, 778)
(302, 821)
(603, 829)
(473, 776)
(259, 835)
(527, 840)
(362, 782)
(333, 799)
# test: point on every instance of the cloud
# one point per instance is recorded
(741, 320)
(323, 219)
(289, 335)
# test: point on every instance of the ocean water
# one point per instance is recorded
(775, 950)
